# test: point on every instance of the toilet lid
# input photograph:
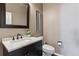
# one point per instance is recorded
(48, 47)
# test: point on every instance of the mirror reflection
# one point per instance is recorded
(16, 14)
(38, 20)
(8, 18)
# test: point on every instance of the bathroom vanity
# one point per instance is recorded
(29, 47)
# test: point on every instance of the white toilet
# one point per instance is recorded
(48, 50)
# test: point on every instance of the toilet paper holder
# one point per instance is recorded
(59, 43)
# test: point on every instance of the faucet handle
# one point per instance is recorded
(17, 37)
(13, 38)
(21, 37)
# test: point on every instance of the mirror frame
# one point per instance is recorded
(3, 18)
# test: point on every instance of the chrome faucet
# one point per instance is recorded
(19, 35)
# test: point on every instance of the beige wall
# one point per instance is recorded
(51, 24)
(33, 8)
(5, 32)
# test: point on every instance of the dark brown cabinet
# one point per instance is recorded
(34, 49)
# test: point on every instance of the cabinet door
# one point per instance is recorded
(18, 52)
(35, 49)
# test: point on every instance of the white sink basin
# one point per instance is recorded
(19, 40)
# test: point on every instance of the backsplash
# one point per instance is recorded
(11, 32)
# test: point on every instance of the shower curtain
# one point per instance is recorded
(69, 29)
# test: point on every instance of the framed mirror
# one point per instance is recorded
(16, 15)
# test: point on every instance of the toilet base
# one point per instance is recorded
(45, 54)
(55, 54)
